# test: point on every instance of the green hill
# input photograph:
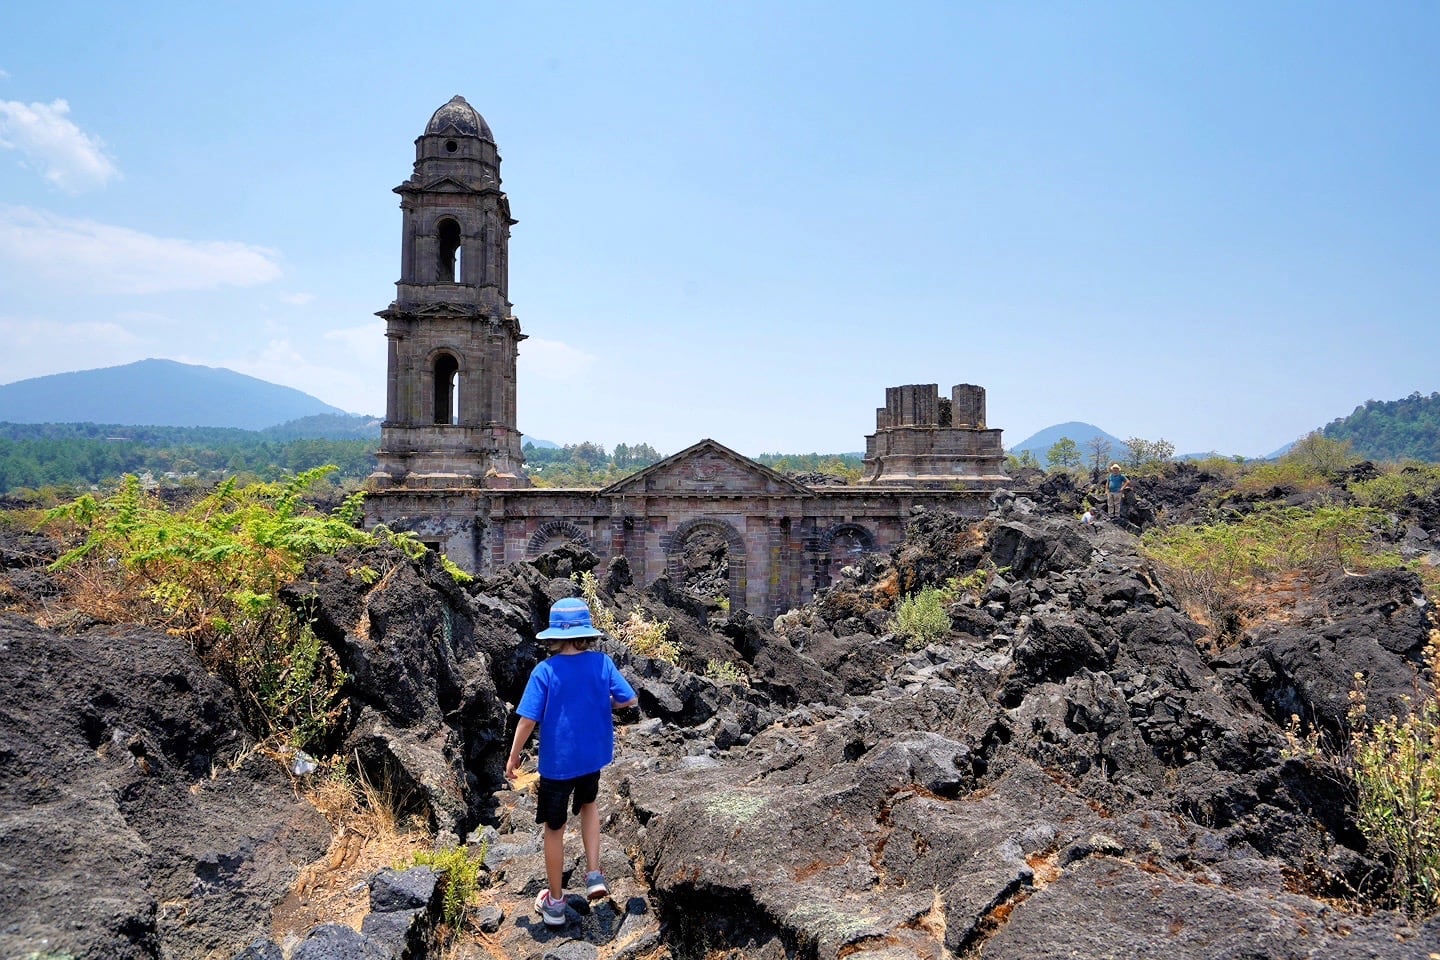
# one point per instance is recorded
(157, 393)
(1407, 429)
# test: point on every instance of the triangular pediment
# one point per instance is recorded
(446, 309)
(706, 468)
(449, 185)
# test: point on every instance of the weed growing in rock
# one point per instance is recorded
(723, 672)
(460, 870)
(921, 618)
(452, 568)
(638, 632)
(1395, 763)
(335, 793)
(972, 586)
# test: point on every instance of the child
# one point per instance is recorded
(570, 696)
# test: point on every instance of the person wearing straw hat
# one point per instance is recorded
(571, 697)
(1115, 486)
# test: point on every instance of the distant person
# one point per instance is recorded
(570, 696)
(1087, 517)
(1115, 486)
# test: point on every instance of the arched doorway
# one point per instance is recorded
(706, 558)
(555, 533)
(840, 546)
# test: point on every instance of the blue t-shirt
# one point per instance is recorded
(571, 696)
(1117, 480)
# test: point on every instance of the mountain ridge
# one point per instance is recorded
(158, 392)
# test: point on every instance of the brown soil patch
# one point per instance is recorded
(333, 889)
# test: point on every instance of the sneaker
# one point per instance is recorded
(552, 911)
(595, 887)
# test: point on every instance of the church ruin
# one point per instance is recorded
(450, 463)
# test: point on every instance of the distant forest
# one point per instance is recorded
(82, 455)
(1393, 430)
(60, 458)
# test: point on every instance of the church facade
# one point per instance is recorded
(450, 466)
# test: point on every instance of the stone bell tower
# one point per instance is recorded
(453, 342)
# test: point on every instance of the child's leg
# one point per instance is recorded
(550, 813)
(555, 857)
(590, 835)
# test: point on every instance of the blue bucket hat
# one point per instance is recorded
(569, 618)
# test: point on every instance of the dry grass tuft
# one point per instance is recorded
(367, 823)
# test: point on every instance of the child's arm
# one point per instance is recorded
(617, 705)
(523, 728)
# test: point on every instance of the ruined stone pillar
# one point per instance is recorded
(913, 405)
(967, 406)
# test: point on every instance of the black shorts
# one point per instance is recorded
(555, 793)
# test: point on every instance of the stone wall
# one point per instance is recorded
(781, 546)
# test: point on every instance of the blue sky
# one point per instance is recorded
(1212, 223)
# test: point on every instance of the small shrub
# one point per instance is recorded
(723, 671)
(975, 582)
(1309, 467)
(638, 632)
(921, 618)
(461, 876)
(1395, 489)
(365, 573)
(1229, 468)
(1395, 764)
(648, 637)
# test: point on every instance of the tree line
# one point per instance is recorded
(1393, 430)
(85, 455)
(1096, 455)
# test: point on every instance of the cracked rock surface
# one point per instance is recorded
(1070, 770)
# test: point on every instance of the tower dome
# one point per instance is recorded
(458, 117)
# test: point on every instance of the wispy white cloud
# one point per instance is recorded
(4, 74)
(357, 386)
(23, 332)
(67, 156)
(144, 318)
(109, 259)
(365, 341)
(552, 360)
(297, 299)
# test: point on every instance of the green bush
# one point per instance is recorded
(212, 572)
(1395, 489)
(921, 618)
